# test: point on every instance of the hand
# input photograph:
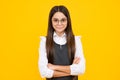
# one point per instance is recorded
(76, 60)
(51, 66)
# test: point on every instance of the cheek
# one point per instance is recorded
(65, 26)
(53, 25)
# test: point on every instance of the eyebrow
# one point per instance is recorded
(61, 18)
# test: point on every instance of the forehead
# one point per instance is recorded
(59, 15)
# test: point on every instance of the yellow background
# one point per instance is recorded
(23, 21)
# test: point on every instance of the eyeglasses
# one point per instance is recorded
(62, 21)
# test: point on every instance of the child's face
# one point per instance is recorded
(59, 22)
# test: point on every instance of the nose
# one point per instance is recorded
(59, 23)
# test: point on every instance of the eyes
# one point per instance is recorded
(56, 21)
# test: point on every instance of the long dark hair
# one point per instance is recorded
(69, 34)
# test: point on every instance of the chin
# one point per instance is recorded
(60, 31)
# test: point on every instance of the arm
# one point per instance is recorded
(43, 61)
(61, 68)
(79, 68)
(60, 74)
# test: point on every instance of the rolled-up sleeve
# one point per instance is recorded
(79, 68)
(43, 61)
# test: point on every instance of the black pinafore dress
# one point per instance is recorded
(61, 58)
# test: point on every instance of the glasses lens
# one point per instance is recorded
(56, 21)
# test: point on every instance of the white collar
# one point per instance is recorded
(55, 34)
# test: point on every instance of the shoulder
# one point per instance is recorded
(78, 38)
(43, 38)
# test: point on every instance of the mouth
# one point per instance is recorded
(59, 27)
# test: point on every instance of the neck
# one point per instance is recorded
(59, 33)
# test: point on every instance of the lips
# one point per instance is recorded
(59, 27)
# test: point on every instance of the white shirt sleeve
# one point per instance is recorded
(79, 68)
(43, 61)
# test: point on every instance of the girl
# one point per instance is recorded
(61, 55)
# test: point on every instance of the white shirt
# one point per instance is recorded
(75, 69)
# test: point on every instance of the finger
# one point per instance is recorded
(75, 59)
(78, 60)
(49, 64)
